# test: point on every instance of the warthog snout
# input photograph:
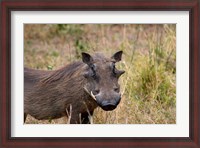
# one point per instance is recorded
(107, 102)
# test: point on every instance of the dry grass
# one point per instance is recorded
(148, 87)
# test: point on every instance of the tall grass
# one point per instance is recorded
(149, 85)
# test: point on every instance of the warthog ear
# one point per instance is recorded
(87, 58)
(117, 56)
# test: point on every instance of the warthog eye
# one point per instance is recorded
(93, 68)
(91, 72)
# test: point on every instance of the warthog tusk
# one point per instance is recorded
(93, 96)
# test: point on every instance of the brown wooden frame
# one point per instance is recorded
(193, 141)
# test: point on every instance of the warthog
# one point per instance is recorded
(74, 90)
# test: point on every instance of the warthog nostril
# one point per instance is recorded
(109, 107)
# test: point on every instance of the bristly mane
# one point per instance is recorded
(68, 71)
(56, 75)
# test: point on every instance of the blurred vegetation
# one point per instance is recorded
(149, 85)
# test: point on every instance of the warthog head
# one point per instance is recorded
(102, 79)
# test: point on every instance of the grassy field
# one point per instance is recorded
(149, 85)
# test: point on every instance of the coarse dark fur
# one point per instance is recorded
(62, 92)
